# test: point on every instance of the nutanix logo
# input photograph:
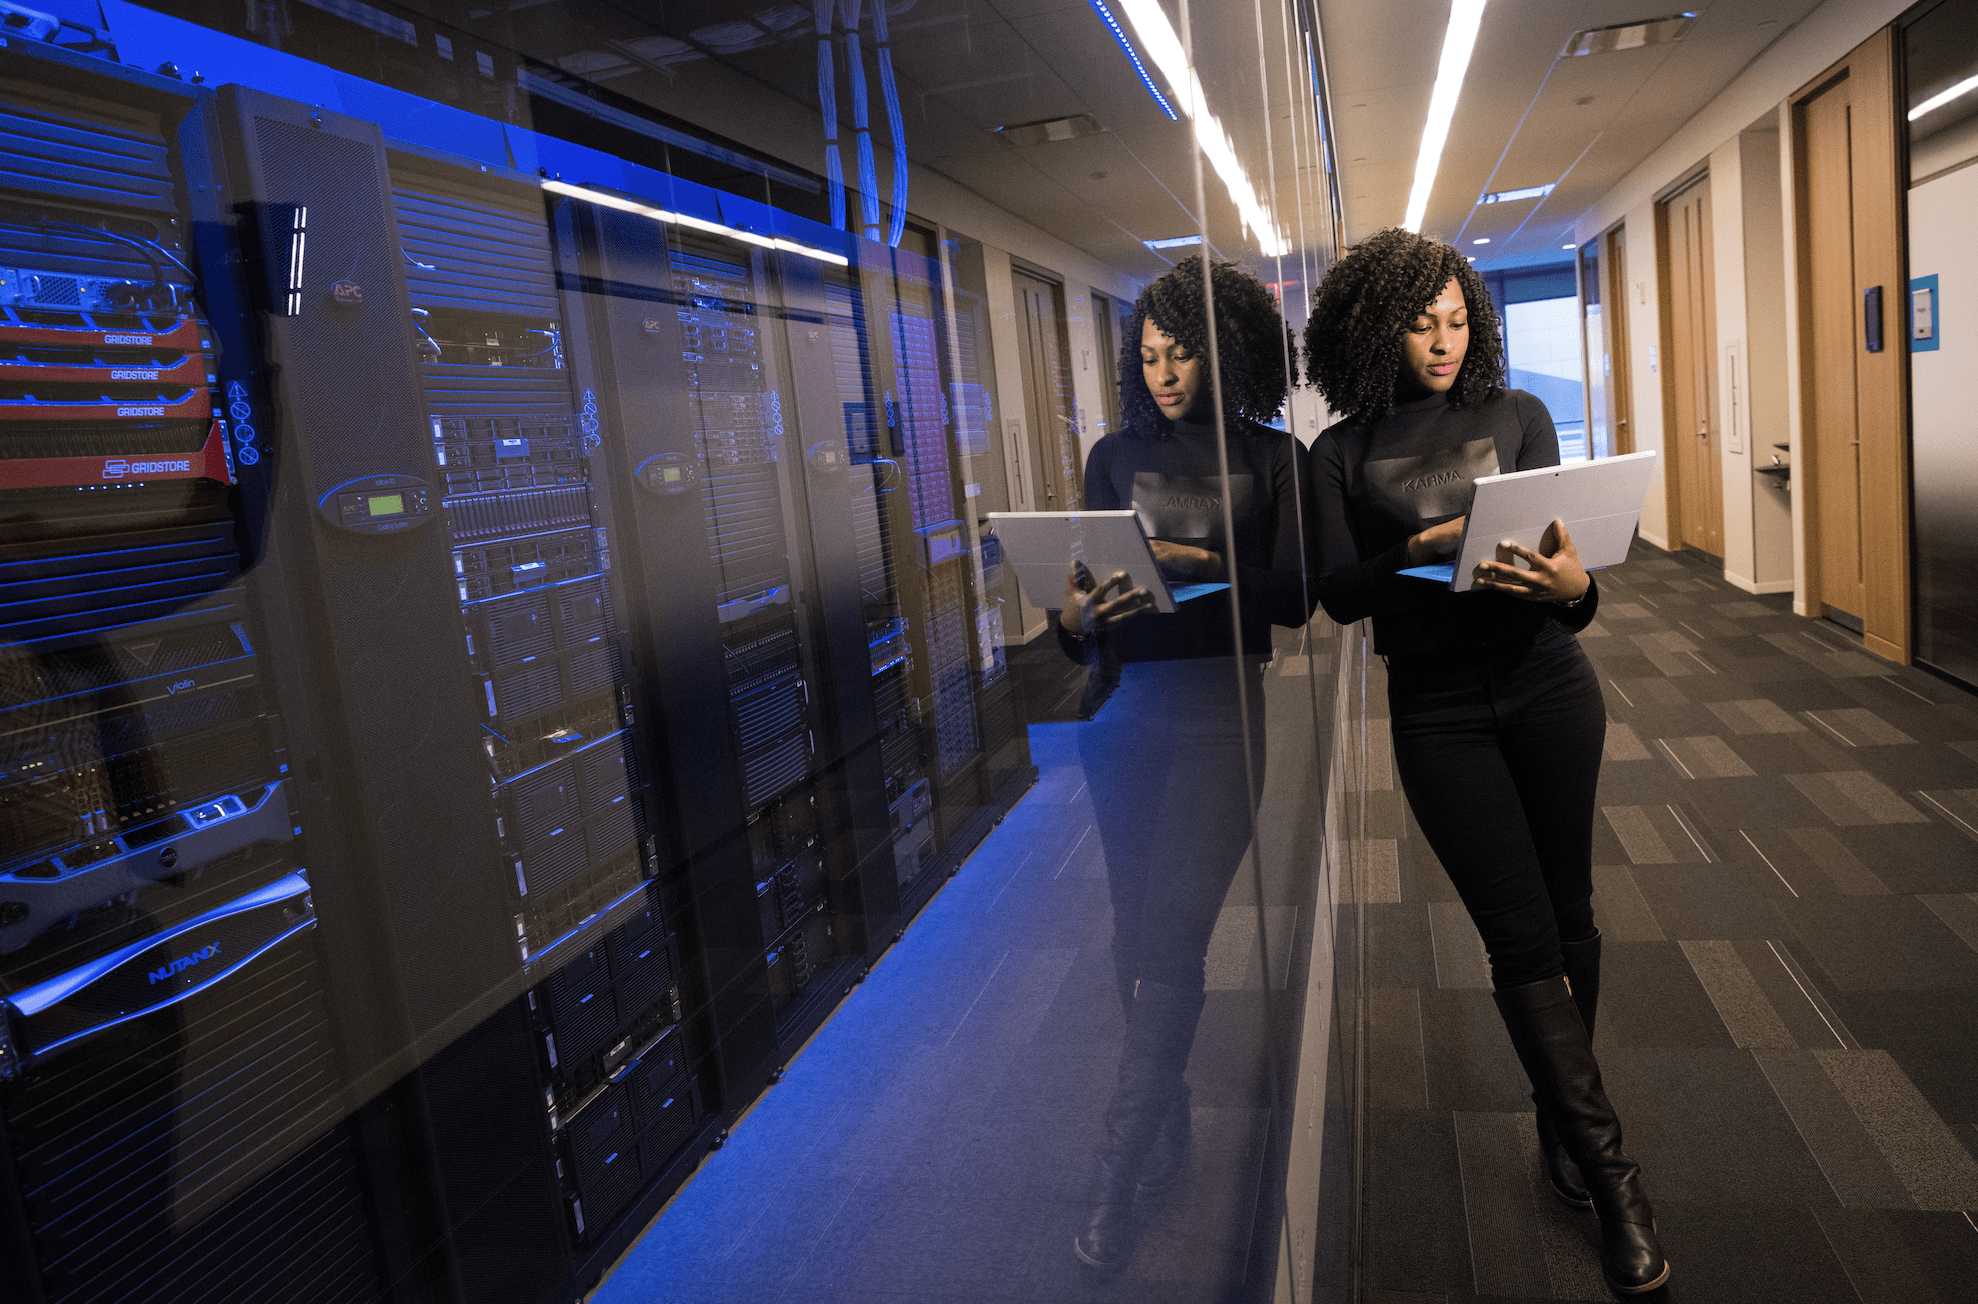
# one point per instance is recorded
(185, 962)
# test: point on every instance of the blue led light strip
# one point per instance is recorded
(1146, 79)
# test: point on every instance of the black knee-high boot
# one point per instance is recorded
(1553, 1046)
(1582, 961)
(1160, 1029)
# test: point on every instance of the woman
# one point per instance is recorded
(1166, 761)
(1497, 717)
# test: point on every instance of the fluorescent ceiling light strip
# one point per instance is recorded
(1939, 100)
(1465, 17)
(1133, 57)
(1513, 196)
(1157, 35)
(1175, 242)
(695, 223)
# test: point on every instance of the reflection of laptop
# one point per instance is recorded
(1600, 502)
(1041, 546)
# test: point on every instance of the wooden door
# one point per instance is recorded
(1621, 392)
(1853, 465)
(1105, 335)
(1051, 437)
(1689, 347)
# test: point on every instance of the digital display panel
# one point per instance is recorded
(385, 504)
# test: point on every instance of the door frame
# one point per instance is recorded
(1614, 319)
(1881, 379)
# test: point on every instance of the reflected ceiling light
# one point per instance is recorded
(1569, 246)
(1482, 240)
(1133, 57)
(1629, 36)
(1513, 196)
(1173, 242)
(627, 205)
(1941, 98)
(1156, 33)
(1465, 17)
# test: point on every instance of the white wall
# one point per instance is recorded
(1812, 45)
(1732, 414)
(1766, 356)
(1753, 303)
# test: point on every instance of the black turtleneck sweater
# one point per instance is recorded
(1169, 474)
(1375, 489)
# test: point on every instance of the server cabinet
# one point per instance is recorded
(730, 547)
(543, 626)
(171, 1099)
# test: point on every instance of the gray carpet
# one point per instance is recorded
(1787, 878)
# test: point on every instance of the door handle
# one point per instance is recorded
(1871, 318)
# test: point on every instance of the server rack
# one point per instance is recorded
(170, 1097)
(553, 707)
(737, 640)
(531, 565)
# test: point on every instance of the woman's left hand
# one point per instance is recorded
(1554, 577)
(1180, 562)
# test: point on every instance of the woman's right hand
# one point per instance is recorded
(1086, 602)
(1436, 541)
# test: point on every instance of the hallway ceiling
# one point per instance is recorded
(1526, 118)
(749, 71)
(966, 67)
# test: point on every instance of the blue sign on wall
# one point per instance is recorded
(1924, 315)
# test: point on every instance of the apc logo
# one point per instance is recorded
(185, 962)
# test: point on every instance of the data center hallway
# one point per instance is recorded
(935, 1142)
(1787, 878)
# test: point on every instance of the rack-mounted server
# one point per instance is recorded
(480, 677)
(171, 1101)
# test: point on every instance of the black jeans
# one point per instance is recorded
(1499, 754)
(1165, 763)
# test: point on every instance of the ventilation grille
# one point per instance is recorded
(182, 572)
(60, 152)
(766, 690)
(922, 421)
(196, 1154)
(482, 256)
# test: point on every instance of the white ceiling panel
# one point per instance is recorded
(1526, 117)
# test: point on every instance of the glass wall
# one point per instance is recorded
(545, 753)
(1941, 57)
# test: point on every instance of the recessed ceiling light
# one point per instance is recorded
(1485, 240)
(1513, 196)
(1628, 36)
(1173, 242)
(1569, 246)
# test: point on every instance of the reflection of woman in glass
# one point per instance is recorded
(1497, 717)
(1165, 760)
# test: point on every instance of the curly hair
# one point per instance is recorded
(1252, 343)
(1365, 303)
